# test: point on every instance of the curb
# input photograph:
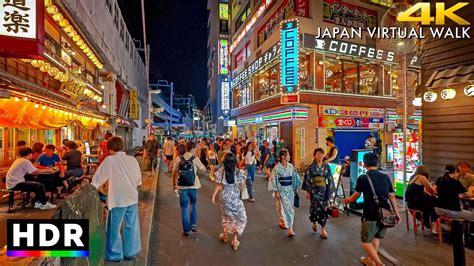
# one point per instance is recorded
(147, 220)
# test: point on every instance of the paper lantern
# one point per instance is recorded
(37, 63)
(58, 17)
(48, 3)
(469, 90)
(45, 67)
(53, 71)
(430, 96)
(63, 23)
(86, 91)
(52, 9)
(417, 101)
(68, 29)
(448, 94)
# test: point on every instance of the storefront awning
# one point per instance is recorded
(280, 115)
(17, 113)
(451, 76)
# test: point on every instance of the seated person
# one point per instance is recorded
(449, 190)
(37, 151)
(16, 179)
(464, 175)
(74, 166)
(420, 196)
(48, 158)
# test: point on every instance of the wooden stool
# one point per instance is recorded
(448, 222)
(413, 214)
(11, 199)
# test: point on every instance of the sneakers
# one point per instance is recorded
(46, 206)
(252, 200)
(194, 228)
(187, 234)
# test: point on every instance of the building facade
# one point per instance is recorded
(218, 91)
(287, 82)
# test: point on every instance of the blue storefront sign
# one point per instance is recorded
(289, 56)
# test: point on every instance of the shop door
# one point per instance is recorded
(348, 140)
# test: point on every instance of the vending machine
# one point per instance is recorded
(413, 158)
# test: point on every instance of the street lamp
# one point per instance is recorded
(150, 107)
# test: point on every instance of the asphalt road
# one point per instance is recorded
(263, 243)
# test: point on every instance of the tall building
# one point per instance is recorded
(217, 109)
(289, 82)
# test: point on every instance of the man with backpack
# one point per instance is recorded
(186, 181)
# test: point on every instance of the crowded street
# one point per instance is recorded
(236, 132)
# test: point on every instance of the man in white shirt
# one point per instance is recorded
(370, 142)
(16, 179)
(124, 176)
(168, 150)
(188, 194)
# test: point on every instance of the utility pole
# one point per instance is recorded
(146, 51)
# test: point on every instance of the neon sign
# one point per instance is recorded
(225, 98)
(223, 57)
(289, 56)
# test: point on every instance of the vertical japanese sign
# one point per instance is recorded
(18, 18)
(302, 8)
(223, 57)
(22, 28)
(223, 11)
(225, 92)
(289, 56)
(134, 106)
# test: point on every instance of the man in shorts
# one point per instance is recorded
(168, 150)
(371, 230)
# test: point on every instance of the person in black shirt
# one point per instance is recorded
(371, 229)
(449, 189)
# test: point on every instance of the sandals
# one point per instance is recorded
(235, 245)
(314, 227)
(223, 237)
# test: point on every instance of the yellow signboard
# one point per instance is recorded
(134, 105)
(223, 11)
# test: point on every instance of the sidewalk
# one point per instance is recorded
(146, 204)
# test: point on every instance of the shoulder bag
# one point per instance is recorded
(387, 218)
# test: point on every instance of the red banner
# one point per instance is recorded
(22, 29)
(302, 8)
(273, 23)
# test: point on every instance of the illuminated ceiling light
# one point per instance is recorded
(430, 96)
(104, 106)
(36, 105)
(95, 97)
(102, 86)
(86, 91)
(17, 99)
(25, 99)
(448, 94)
(50, 109)
(55, 110)
(321, 62)
(43, 107)
(401, 43)
(99, 99)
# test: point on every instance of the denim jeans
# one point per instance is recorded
(455, 215)
(187, 196)
(250, 179)
(115, 250)
(78, 172)
(32, 186)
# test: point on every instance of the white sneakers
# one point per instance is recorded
(47, 206)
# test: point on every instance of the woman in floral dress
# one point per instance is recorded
(318, 184)
(229, 180)
(284, 182)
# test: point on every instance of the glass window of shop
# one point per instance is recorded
(344, 75)
(267, 82)
(242, 95)
(306, 65)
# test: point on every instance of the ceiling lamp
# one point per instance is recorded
(448, 94)
(63, 23)
(469, 90)
(430, 96)
(86, 91)
(58, 17)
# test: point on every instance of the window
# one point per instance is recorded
(350, 76)
(242, 17)
(305, 79)
(369, 83)
(267, 83)
(333, 75)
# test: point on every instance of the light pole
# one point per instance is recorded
(150, 107)
(170, 85)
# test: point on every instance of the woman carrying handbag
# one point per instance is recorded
(319, 185)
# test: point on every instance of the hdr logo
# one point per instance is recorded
(47, 238)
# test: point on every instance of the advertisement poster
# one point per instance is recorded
(350, 122)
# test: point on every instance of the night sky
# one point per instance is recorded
(177, 34)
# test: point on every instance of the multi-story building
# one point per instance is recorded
(328, 86)
(68, 70)
(218, 91)
(103, 24)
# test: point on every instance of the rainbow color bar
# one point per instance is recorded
(47, 253)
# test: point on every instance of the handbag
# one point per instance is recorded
(244, 194)
(296, 200)
(333, 211)
(387, 218)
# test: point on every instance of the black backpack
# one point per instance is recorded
(186, 172)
